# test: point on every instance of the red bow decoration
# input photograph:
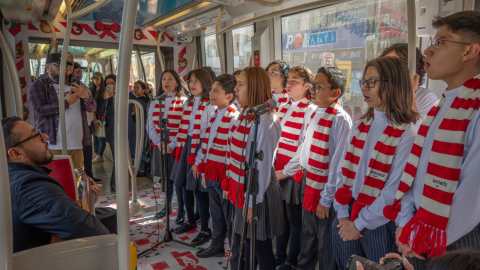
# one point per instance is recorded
(107, 29)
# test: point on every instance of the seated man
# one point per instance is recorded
(40, 206)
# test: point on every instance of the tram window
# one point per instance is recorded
(149, 65)
(242, 48)
(212, 58)
(346, 36)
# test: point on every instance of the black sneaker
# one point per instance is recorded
(179, 220)
(280, 260)
(210, 252)
(202, 238)
(185, 228)
(162, 213)
(287, 266)
(141, 174)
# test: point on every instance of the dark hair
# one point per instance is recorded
(11, 138)
(284, 69)
(464, 23)
(101, 91)
(228, 83)
(142, 84)
(101, 88)
(211, 71)
(401, 49)
(258, 86)
(335, 78)
(394, 87)
(181, 88)
(306, 74)
(237, 72)
(458, 260)
(205, 79)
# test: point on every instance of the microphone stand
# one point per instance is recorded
(251, 173)
(165, 176)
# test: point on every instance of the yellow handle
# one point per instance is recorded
(133, 256)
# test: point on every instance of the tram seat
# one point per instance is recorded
(62, 171)
(98, 252)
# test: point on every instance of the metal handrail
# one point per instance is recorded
(412, 37)
(159, 52)
(6, 227)
(13, 72)
(63, 64)
(218, 39)
(135, 208)
(267, 3)
(52, 28)
(120, 129)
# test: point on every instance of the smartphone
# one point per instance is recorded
(110, 88)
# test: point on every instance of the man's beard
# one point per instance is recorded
(54, 77)
(39, 159)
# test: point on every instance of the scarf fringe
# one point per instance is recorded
(232, 193)
(356, 208)
(424, 238)
(310, 201)
(391, 211)
(280, 163)
(343, 195)
(178, 153)
(215, 174)
(298, 177)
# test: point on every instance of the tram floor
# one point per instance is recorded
(146, 230)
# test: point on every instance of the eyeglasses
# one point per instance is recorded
(39, 133)
(58, 66)
(370, 83)
(272, 73)
(436, 42)
(193, 81)
(316, 87)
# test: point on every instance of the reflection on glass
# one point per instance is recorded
(242, 46)
(345, 36)
(212, 58)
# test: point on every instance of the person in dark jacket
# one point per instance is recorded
(40, 206)
(106, 111)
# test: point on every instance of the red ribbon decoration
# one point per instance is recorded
(107, 29)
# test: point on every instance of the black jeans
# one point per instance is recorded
(293, 231)
(202, 200)
(263, 253)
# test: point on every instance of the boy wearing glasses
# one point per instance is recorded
(43, 95)
(436, 207)
(317, 159)
(40, 206)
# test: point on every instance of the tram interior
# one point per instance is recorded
(338, 33)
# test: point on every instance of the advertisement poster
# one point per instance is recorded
(393, 24)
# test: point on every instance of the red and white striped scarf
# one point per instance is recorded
(289, 140)
(319, 158)
(378, 168)
(174, 116)
(425, 232)
(183, 130)
(236, 144)
(282, 99)
(214, 167)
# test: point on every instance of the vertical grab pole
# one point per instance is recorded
(63, 66)
(121, 111)
(159, 52)
(412, 36)
(12, 71)
(52, 28)
(219, 47)
(6, 230)
(135, 208)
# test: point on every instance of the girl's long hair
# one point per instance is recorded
(395, 88)
(101, 88)
(258, 87)
(205, 79)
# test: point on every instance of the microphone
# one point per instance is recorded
(164, 96)
(269, 105)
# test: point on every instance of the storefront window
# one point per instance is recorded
(242, 46)
(212, 58)
(346, 36)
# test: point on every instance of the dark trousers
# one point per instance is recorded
(316, 242)
(99, 143)
(293, 230)
(178, 191)
(112, 148)
(87, 159)
(373, 245)
(235, 248)
(469, 241)
(202, 201)
(264, 258)
(221, 216)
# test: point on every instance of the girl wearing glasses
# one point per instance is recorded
(278, 73)
(293, 116)
(375, 156)
(253, 88)
(185, 174)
